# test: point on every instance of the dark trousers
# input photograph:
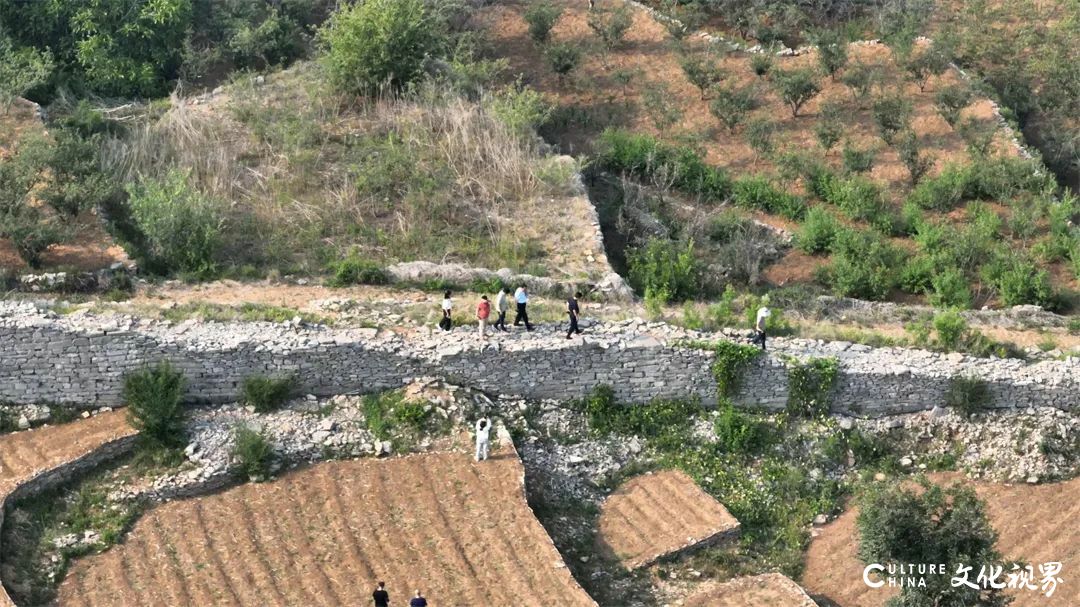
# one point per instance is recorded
(501, 322)
(573, 326)
(522, 316)
(759, 338)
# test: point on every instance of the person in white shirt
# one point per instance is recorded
(763, 314)
(502, 306)
(483, 438)
(447, 309)
(521, 296)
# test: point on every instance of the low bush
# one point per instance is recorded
(182, 227)
(354, 270)
(657, 419)
(758, 193)
(267, 393)
(741, 433)
(863, 265)
(413, 414)
(647, 158)
(563, 58)
(951, 329)
(917, 274)
(664, 269)
(857, 160)
(968, 395)
(941, 193)
(949, 289)
(809, 385)
(252, 453)
(153, 398)
(1021, 281)
(541, 18)
(611, 25)
(817, 232)
(892, 114)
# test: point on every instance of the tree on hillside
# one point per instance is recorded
(832, 52)
(379, 43)
(541, 18)
(611, 26)
(978, 135)
(703, 70)
(937, 525)
(730, 105)
(917, 163)
(951, 100)
(563, 59)
(861, 79)
(796, 87)
(830, 126)
(892, 114)
(931, 61)
(21, 69)
(759, 135)
(23, 223)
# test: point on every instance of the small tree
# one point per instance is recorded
(761, 63)
(611, 26)
(731, 105)
(377, 42)
(830, 126)
(563, 59)
(665, 270)
(182, 227)
(657, 101)
(251, 453)
(832, 52)
(978, 135)
(858, 160)
(951, 100)
(703, 71)
(935, 525)
(20, 70)
(796, 87)
(931, 61)
(541, 18)
(892, 114)
(759, 134)
(917, 163)
(153, 397)
(861, 79)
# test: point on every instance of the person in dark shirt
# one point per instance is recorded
(572, 308)
(418, 600)
(382, 598)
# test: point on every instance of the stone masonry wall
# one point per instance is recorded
(81, 360)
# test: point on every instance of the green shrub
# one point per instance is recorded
(703, 71)
(563, 58)
(740, 433)
(967, 395)
(730, 363)
(809, 385)
(654, 420)
(832, 52)
(830, 126)
(375, 43)
(252, 453)
(182, 227)
(387, 411)
(521, 108)
(645, 157)
(796, 87)
(541, 18)
(858, 161)
(759, 193)
(153, 398)
(611, 26)
(759, 135)
(1003, 177)
(816, 234)
(863, 265)
(31, 232)
(413, 414)
(941, 193)
(951, 329)
(267, 393)
(917, 163)
(1023, 282)
(356, 271)
(892, 114)
(858, 197)
(664, 269)
(761, 63)
(949, 289)
(933, 525)
(731, 105)
(951, 100)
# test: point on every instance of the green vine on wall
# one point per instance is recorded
(730, 362)
(809, 385)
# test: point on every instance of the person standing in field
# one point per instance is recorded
(381, 597)
(763, 314)
(418, 600)
(572, 309)
(483, 312)
(521, 296)
(447, 309)
(502, 306)
(483, 438)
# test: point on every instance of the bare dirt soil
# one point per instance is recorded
(1035, 523)
(24, 454)
(766, 590)
(657, 514)
(458, 530)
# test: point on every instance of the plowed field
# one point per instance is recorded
(23, 454)
(459, 530)
(767, 590)
(1036, 524)
(653, 515)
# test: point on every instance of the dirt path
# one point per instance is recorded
(1037, 524)
(767, 590)
(458, 530)
(653, 515)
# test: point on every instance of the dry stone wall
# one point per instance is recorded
(81, 361)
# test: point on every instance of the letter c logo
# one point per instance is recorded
(866, 575)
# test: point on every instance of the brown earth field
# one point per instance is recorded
(766, 590)
(460, 531)
(24, 454)
(657, 514)
(1034, 523)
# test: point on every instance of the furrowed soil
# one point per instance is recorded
(458, 530)
(767, 590)
(1036, 524)
(657, 514)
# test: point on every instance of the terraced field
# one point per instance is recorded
(460, 531)
(653, 515)
(767, 590)
(24, 454)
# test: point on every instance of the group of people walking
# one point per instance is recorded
(382, 597)
(520, 297)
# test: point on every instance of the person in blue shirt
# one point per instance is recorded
(418, 600)
(521, 296)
